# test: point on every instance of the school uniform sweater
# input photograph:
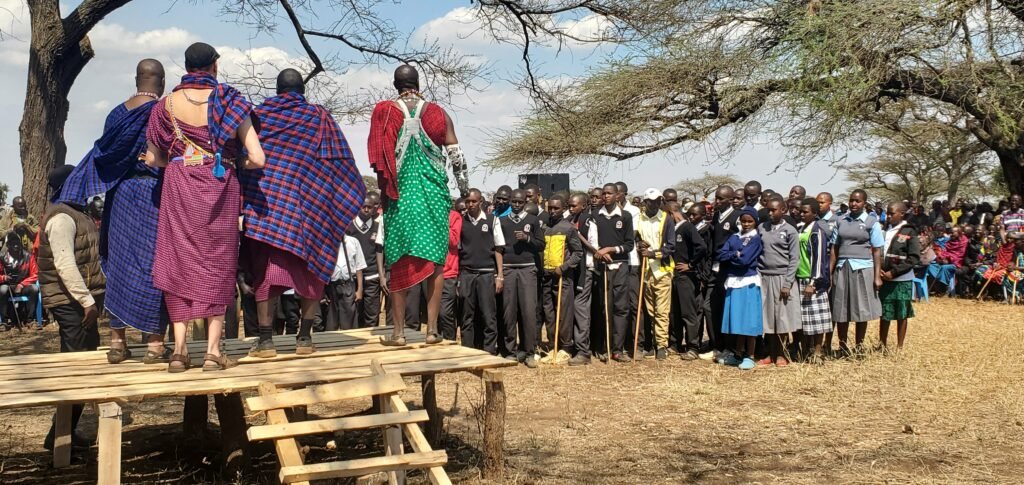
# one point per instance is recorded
(522, 254)
(724, 224)
(690, 246)
(739, 256)
(780, 253)
(814, 257)
(480, 239)
(615, 229)
(365, 232)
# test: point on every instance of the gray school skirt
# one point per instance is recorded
(779, 317)
(853, 295)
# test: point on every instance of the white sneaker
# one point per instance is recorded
(563, 357)
(711, 355)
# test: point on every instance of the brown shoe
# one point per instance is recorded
(183, 363)
(216, 362)
(433, 338)
(392, 341)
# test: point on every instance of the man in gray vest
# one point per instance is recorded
(70, 279)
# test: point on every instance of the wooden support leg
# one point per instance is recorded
(432, 427)
(109, 439)
(62, 436)
(494, 426)
(392, 443)
(234, 443)
(196, 416)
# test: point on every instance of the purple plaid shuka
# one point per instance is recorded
(310, 189)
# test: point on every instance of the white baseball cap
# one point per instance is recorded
(652, 194)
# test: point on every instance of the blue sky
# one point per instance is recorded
(150, 28)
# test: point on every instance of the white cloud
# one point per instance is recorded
(116, 39)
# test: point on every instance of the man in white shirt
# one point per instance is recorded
(346, 286)
(633, 283)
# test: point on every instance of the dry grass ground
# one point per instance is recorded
(948, 410)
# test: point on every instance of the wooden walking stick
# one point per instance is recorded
(639, 306)
(607, 325)
(983, 287)
(558, 320)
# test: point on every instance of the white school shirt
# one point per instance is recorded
(345, 270)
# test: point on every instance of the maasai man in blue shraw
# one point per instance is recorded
(128, 232)
(295, 210)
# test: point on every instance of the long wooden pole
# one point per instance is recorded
(607, 325)
(639, 306)
(558, 320)
(983, 287)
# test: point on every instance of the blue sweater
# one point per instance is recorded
(739, 256)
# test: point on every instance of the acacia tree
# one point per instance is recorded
(701, 188)
(336, 35)
(919, 158)
(815, 74)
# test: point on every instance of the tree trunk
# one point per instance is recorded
(54, 63)
(1012, 163)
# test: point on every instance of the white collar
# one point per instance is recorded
(616, 212)
(474, 220)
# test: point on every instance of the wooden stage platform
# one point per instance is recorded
(63, 379)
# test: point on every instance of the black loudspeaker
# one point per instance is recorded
(549, 182)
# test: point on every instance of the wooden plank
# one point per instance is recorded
(369, 386)
(62, 436)
(302, 376)
(363, 466)
(494, 426)
(305, 428)
(413, 433)
(108, 438)
(239, 354)
(195, 375)
(392, 443)
(288, 452)
(365, 336)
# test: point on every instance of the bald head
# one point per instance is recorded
(407, 78)
(149, 76)
(290, 81)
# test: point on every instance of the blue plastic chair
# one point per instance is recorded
(39, 307)
(920, 288)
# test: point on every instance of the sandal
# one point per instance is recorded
(220, 362)
(392, 341)
(118, 355)
(153, 357)
(179, 359)
(434, 338)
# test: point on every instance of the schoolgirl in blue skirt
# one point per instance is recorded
(742, 315)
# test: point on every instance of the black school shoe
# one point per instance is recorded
(579, 360)
(263, 349)
(662, 354)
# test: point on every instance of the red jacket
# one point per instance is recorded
(27, 270)
(451, 262)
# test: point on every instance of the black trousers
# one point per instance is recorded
(74, 337)
(687, 292)
(342, 313)
(369, 307)
(249, 315)
(28, 309)
(549, 291)
(287, 315)
(520, 297)
(618, 307)
(582, 312)
(479, 312)
(449, 317)
(633, 284)
(705, 312)
(717, 300)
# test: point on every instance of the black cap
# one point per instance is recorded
(58, 175)
(200, 55)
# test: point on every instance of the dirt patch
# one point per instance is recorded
(948, 410)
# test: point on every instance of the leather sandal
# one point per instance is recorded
(392, 341)
(434, 338)
(116, 356)
(181, 359)
(153, 357)
(220, 362)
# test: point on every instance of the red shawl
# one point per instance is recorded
(385, 122)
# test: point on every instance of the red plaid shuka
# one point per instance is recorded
(310, 189)
(385, 122)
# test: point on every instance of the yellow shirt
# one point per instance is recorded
(651, 231)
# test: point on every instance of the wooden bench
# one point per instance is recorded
(63, 379)
(394, 416)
